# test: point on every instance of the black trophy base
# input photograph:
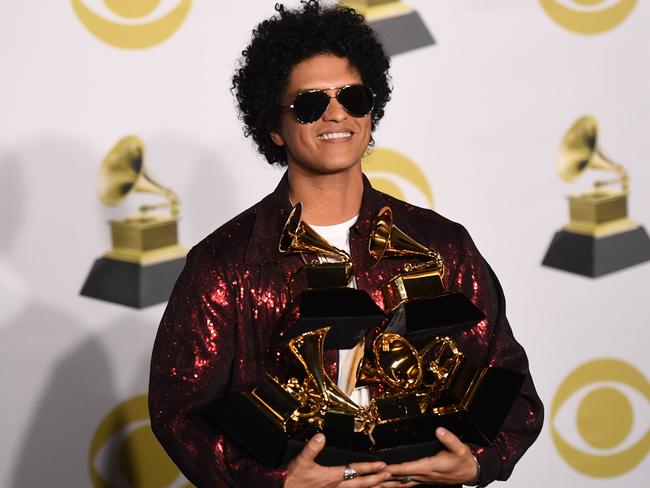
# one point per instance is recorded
(334, 456)
(480, 411)
(444, 315)
(398, 441)
(267, 442)
(593, 257)
(402, 33)
(132, 284)
(347, 311)
(259, 435)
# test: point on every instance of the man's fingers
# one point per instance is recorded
(368, 468)
(398, 484)
(421, 466)
(367, 481)
(312, 449)
(362, 469)
(450, 441)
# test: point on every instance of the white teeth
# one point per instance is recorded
(334, 135)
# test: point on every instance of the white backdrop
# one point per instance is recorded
(481, 114)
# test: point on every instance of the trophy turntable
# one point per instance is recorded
(600, 237)
(145, 259)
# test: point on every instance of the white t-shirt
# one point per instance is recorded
(337, 235)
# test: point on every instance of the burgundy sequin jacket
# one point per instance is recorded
(223, 314)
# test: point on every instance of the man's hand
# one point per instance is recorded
(455, 465)
(303, 471)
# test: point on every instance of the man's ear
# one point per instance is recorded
(277, 138)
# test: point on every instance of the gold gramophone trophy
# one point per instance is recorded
(399, 27)
(419, 388)
(430, 386)
(145, 259)
(420, 391)
(321, 289)
(600, 237)
(416, 297)
(299, 237)
(426, 381)
(274, 420)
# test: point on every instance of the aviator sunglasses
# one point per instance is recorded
(308, 106)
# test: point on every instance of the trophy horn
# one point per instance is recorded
(123, 172)
(386, 239)
(395, 363)
(308, 349)
(297, 236)
(579, 150)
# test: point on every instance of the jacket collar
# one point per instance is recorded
(273, 211)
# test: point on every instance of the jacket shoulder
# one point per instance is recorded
(227, 244)
(420, 221)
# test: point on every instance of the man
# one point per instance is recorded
(311, 89)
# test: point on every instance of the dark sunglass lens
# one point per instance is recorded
(356, 99)
(309, 106)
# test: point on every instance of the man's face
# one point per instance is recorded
(335, 142)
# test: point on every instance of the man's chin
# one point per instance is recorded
(330, 167)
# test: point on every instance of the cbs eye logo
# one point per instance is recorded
(132, 24)
(392, 172)
(603, 411)
(124, 452)
(588, 16)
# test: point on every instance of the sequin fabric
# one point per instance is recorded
(230, 305)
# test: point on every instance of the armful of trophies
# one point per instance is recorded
(420, 379)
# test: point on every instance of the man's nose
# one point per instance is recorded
(335, 111)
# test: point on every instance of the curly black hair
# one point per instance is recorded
(289, 37)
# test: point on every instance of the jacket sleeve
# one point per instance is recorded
(492, 342)
(191, 366)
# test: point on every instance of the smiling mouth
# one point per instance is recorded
(329, 136)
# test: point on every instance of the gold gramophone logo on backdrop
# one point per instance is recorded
(588, 16)
(399, 27)
(145, 260)
(135, 24)
(124, 451)
(600, 237)
(597, 408)
(394, 173)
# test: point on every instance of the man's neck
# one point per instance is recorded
(327, 199)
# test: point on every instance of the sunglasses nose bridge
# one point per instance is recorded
(334, 110)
